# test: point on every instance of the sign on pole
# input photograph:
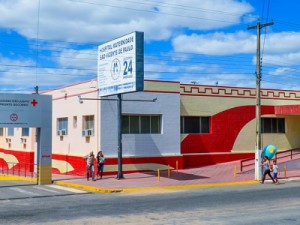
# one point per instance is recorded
(121, 65)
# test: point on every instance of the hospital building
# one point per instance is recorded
(167, 124)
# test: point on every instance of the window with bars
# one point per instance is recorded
(272, 125)
(195, 125)
(10, 131)
(88, 123)
(141, 124)
(62, 126)
(25, 132)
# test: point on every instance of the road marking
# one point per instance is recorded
(67, 189)
(46, 189)
(23, 191)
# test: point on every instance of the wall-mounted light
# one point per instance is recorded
(80, 99)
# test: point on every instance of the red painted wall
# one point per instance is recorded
(225, 127)
(24, 167)
(79, 164)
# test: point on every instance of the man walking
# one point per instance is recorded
(90, 165)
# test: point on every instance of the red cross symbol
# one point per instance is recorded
(34, 102)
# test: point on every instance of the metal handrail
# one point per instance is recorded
(292, 152)
(18, 169)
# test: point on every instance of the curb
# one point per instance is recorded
(133, 190)
(87, 187)
(4, 177)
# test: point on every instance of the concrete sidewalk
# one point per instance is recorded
(225, 174)
(216, 175)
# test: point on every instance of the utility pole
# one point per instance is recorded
(258, 144)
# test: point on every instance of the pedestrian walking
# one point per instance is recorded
(100, 163)
(275, 171)
(266, 167)
(90, 165)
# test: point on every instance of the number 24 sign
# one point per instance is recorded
(127, 63)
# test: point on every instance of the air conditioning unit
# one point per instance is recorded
(88, 132)
(62, 132)
(8, 140)
(23, 140)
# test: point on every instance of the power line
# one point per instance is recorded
(37, 44)
(149, 11)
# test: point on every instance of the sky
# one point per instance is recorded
(50, 44)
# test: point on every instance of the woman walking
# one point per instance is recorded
(266, 167)
(100, 163)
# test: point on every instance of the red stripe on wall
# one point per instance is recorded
(225, 127)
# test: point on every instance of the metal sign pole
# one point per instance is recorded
(119, 121)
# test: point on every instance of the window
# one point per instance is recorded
(88, 126)
(141, 124)
(195, 125)
(272, 125)
(25, 132)
(74, 121)
(1, 131)
(10, 131)
(62, 126)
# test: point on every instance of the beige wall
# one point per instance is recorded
(66, 104)
(202, 100)
(18, 142)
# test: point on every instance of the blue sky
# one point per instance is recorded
(54, 43)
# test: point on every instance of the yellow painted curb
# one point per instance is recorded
(131, 190)
(87, 187)
(16, 178)
(190, 186)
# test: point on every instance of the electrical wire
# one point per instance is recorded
(162, 58)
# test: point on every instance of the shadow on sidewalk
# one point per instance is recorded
(178, 175)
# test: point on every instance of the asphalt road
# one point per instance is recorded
(249, 204)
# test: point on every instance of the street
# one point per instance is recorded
(246, 204)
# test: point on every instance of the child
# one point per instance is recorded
(275, 171)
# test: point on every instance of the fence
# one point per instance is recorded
(19, 169)
(280, 156)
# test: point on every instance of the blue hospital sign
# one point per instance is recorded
(121, 65)
(20, 110)
(30, 110)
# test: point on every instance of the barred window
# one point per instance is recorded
(141, 124)
(25, 132)
(272, 125)
(195, 125)
(62, 126)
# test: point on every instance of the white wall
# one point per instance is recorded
(166, 143)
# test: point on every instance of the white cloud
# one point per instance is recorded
(280, 71)
(284, 45)
(82, 59)
(101, 20)
(287, 59)
(236, 80)
(218, 43)
(23, 75)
